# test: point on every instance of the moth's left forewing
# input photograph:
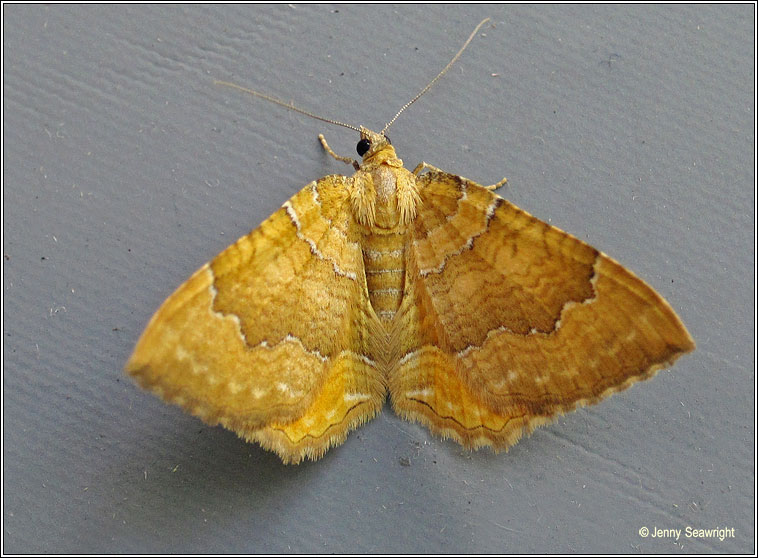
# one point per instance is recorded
(508, 321)
(273, 338)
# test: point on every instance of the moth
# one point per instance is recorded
(480, 321)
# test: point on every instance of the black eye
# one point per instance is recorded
(362, 147)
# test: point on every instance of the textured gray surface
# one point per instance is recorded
(126, 169)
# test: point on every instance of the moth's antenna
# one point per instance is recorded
(286, 105)
(438, 76)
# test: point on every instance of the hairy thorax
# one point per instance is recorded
(384, 199)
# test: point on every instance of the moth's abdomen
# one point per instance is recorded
(384, 260)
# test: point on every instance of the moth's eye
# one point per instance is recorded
(388, 140)
(362, 147)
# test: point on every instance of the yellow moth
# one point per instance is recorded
(480, 321)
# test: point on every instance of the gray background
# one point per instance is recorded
(126, 168)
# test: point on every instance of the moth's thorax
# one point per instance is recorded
(383, 198)
(384, 194)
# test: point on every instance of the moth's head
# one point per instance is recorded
(372, 143)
